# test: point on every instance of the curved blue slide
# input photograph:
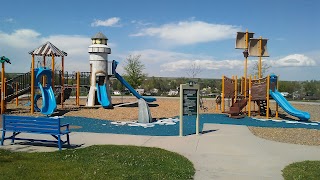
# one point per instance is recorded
(49, 104)
(102, 95)
(286, 106)
(133, 91)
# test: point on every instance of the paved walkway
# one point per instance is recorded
(222, 152)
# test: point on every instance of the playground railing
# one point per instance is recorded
(18, 86)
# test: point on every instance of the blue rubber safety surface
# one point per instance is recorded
(189, 124)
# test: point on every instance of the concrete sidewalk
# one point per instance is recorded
(221, 152)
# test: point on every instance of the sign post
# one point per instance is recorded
(189, 103)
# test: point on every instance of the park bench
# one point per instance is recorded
(39, 125)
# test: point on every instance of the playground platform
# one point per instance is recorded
(221, 152)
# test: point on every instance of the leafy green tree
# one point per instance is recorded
(134, 70)
(311, 88)
(289, 86)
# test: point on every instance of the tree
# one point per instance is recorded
(194, 70)
(310, 88)
(289, 86)
(264, 69)
(134, 70)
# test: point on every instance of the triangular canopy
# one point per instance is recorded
(48, 49)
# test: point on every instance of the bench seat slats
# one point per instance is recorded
(17, 125)
(30, 124)
(37, 121)
(35, 130)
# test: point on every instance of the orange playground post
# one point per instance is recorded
(222, 95)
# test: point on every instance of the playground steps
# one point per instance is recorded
(263, 107)
(236, 108)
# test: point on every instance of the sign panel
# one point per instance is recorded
(190, 102)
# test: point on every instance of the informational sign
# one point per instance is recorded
(189, 103)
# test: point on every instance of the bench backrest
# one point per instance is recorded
(31, 124)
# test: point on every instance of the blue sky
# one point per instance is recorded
(170, 35)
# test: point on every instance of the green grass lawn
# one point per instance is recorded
(96, 162)
(302, 170)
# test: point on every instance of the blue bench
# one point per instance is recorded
(39, 125)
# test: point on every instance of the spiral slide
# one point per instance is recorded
(49, 104)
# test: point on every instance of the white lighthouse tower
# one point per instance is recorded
(99, 92)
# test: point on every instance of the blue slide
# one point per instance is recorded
(49, 104)
(286, 106)
(133, 91)
(102, 95)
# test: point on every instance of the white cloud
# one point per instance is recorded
(294, 60)
(18, 44)
(111, 22)
(236, 66)
(190, 32)
(76, 46)
(203, 64)
(21, 38)
(140, 23)
(155, 56)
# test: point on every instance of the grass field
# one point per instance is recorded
(96, 162)
(302, 170)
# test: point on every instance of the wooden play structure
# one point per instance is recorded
(251, 90)
(257, 95)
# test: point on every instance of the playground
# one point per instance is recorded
(83, 101)
(87, 95)
(98, 118)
